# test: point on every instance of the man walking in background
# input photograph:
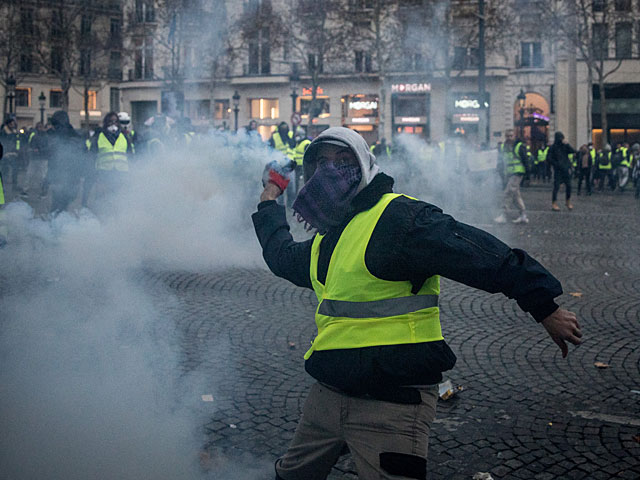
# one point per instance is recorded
(561, 163)
(513, 164)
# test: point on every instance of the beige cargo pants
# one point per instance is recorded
(386, 440)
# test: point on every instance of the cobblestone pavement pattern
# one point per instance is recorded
(523, 413)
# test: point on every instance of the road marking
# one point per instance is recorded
(607, 418)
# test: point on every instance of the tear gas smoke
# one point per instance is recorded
(455, 176)
(92, 383)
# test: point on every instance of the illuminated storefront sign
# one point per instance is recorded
(466, 118)
(411, 120)
(308, 91)
(363, 105)
(466, 103)
(361, 120)
(410, 87)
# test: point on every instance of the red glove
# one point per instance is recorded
(279, 180)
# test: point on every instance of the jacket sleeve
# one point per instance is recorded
(285, 257)
(436, 244)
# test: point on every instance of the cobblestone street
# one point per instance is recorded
(524, 412)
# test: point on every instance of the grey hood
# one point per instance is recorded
(353, 140)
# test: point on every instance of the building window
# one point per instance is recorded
(363, 61)
(145, 11)
(115, 72)
(222, 110)
(115, 30)
(314, 61)
(143, 58)
(263, 108)
(623, 40)
(85, 63)
(258, 7)
(114, 99)
(26, 21)
(55, 98)
(623, 5)
(85, 25)
(26, 59)
(56, 23)
(322, 109)
(198, 109)
(464, 57)
(531, 54)
(598, 5)
(260, 53)
(92, 97)
(600, 40)
(56, 59)
(23, 97)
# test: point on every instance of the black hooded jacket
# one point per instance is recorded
(412, 241)
(559, 153)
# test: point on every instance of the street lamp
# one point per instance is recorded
(42, 100)
(236, 108)
(521, 99)
(11, 91)
(294, 79)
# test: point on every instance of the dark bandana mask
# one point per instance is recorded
(325, 199)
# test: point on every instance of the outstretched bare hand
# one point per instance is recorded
(562, 326)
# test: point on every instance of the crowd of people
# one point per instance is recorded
(57, 162)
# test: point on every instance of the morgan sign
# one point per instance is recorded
(410, 87)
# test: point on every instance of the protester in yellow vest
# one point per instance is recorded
(283, 141)
(513, 166)
(374, 265)
(111, 149)
(302, 142)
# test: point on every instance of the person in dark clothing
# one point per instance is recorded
(65, 151)
(375, 265)
(559, 159)
(585, 164)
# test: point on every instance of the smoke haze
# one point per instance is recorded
(91, 381)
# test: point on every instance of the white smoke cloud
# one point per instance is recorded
(92, 384)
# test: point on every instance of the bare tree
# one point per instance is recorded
(187, 37)
(586, 27)
(12, 44)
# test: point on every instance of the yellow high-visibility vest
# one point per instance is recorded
(112, 157)
(356, 309)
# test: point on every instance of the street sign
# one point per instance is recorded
(296, 119)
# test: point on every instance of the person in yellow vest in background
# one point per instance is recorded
(14, 142)
(302, 142)
(605, 169)
(111, 149)
(512, 166)
(283, 141)
(375, 265)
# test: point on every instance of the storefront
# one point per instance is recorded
(410, 106)
(466, 110)
(360, 113)
(623, 114)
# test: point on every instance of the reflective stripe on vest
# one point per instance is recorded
(605, 166)
(626, 161)
(112, 157)
(356, 309)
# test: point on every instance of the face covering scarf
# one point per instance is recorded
(325, 199)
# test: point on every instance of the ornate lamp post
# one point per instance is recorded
(11, 92)
(294, 79)
(521, 99)
(42, 100)
(236, 107)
